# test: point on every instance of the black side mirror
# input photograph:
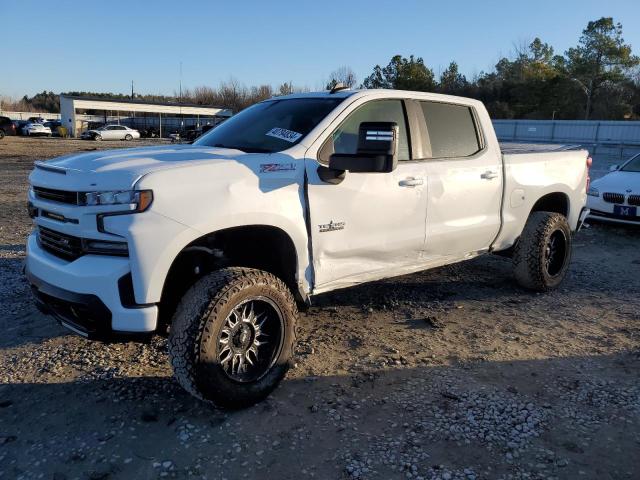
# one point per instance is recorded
(377, 150)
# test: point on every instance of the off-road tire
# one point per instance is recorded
(530, 255)
(193, 335)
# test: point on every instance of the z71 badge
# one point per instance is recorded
(331, 226)
(277, 167)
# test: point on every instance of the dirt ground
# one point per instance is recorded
(454, 373)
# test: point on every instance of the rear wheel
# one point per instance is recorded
(98, 138)
(1, 134)
(542, 255)
(231, 338)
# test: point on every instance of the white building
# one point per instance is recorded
(164, 117)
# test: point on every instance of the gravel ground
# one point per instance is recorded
(449, 374)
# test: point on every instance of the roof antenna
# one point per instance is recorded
(338, 86)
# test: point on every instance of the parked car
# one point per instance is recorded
(111, 132)
(616, 196)
(7, 127)
(292, 197)
(150, 132)
(36, 120)
(36, 129)
(19, 125)
(187, 134)
(53, 125)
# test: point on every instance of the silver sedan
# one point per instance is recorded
(111, 132)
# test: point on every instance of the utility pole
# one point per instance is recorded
(131, 89)
(180, 99)
(588, 91)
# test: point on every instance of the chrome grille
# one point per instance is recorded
(60, 196)
(60, 244)
(634, 200)
(610, 197)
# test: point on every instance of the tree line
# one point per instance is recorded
(597, 79)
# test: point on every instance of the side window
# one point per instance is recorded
(452, 130)
(344, 139)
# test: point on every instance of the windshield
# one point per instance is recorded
(270, 126)
(632, 165)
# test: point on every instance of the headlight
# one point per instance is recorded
(593, 192)
(139, 199)
(102, 247)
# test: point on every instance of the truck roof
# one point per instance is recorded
(381, 93)
(325, 94)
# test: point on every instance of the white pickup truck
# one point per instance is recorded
(220, 242)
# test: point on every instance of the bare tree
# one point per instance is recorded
(344, 75)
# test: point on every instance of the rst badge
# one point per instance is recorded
(331, 226)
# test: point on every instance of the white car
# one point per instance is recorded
(33, 129)
(616, 196)
(295, 196)
(111, 132)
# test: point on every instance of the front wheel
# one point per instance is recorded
(232, 337)
(128, 137)
(542, 255)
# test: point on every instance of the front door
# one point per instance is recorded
(369, 225)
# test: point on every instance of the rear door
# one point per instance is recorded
(107, 133)
(368, 225)
(119, 132)
(464, 181)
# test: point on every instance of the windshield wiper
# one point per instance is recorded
(244, 149)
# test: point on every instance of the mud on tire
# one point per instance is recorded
(229, 311)
(542, 255)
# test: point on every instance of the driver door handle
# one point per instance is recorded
(411, 182)
(488, 175)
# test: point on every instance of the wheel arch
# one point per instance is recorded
(260, 246)
(557, 202)
(554, 200)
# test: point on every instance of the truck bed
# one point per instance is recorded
(514, 148)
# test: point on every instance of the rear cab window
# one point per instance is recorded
(452, 130)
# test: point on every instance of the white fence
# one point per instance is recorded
(569, 131)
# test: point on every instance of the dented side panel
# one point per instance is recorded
(366, 224)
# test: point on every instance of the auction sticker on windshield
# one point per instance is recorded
(284, 134)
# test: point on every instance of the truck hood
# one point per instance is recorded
(121, 168)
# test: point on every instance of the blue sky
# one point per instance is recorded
(103, 45)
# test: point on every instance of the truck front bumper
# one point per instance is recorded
(83, 295)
